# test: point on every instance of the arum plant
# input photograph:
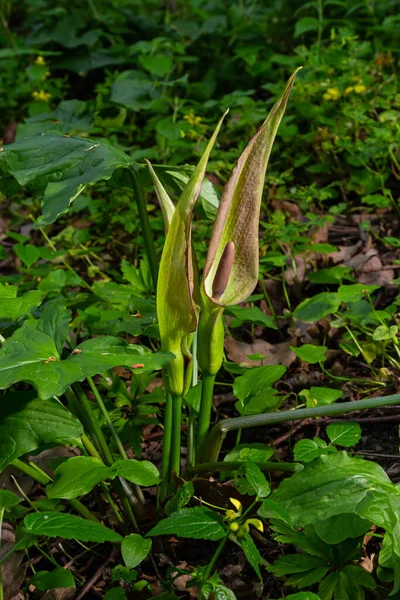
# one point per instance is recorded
(178, 306)
(230, 276)
(231, 270)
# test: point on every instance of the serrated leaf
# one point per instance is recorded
(140, 472)
(58, 168)
(54, 524)
(77, 476)
(26, 422)
(295, 563)
(181, 497)
(48, 580)
(344, 434)
(13, 307)
(307, 450)
(134, 549)
(198, 523)
(252, 554)
(256, 480)
(319, 306)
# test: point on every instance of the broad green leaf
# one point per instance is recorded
(198, 523)
(237, 220)
(320, 396)
(344, 434)
(134, 549)
(116, 593)
(26, 423)
(28, 253)
(13, 307)
(218, 592)
(355, 292)
(177, 297)
(332, 275)
(272, 510)
(256, 480)
(306, 24)
(307, 450)
(140, 472)
(157, 64)
(328, 486)
(54, 322)
(317, 307)
(252, 554)
(251, 315)
(341, 527)
(48, 580)
(254, 389)
(54, 524)
(130, 89)
(256, 451)
(180, 499)
(8, 499)
(31, 355)
(77, 476)
(295, 563)
(303, 596)
(58, 168)
(310, 354)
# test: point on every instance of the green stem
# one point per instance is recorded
(146, 230)
(42, 478)
(1, 568)
(166, 447)
(267, 466)
(175, 464)
(212, 446)
(212, 562)
(93, 426)
(191, 441)
(207, 391)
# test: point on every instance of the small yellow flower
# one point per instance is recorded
(41, 96)
(348, 90)
(332, 94)
(360, 89)
(40, 61)
(192, 119)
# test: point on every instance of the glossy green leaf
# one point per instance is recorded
(303, 596)
(13, 307)
(307, 450)
(306, 24)
(198, 523)
(134, 549)
(252, 554)
(58, 168)
(355, 292)
(49, 580)
(218, 592)
(251, 315)
(344, 434)
(77, 476)
(310, 354)
(330, 485)
(254, 389)
(256, 452)
(54, 524)
(180, 499)
(27, 253)
(319, 306)
(256, 480)
(8, 499)
(338, 528)
(332, 275)
(320, 396)
(26, 423)
(140, 472)
(31, 355)
(237, 220)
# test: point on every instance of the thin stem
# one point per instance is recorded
(212, 562)
(207, 391)
(146, 230)
(175, 464)
(166, 447)
(42, 478)
(1, 568)
(212, 446)
(267, 466)
(191, 450)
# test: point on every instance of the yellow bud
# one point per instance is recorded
(234, 526)
(360, 89)
(348, 90)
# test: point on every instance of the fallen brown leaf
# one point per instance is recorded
(280, 354)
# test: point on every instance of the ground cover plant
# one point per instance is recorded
(198, 297)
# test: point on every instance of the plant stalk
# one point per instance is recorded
(166, 447)
(175, 464)
(146, 230)
(211, 448)
(207, 392)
